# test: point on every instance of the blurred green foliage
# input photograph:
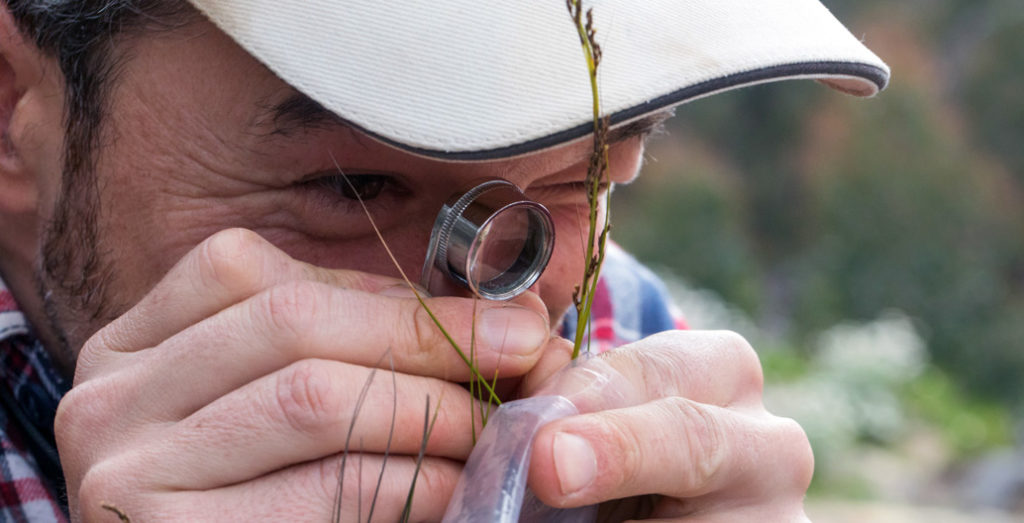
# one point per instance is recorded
(807, 208)
(967, 425)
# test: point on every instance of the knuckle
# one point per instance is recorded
(425, 336)
(323, 483)
(800, 457)
(436, 480)
(747, 371)
(95, 484)
(100, 485)
(91, 355)
(95, 345)
(703, 442)
(84, 410)
(230, 259)
(306, 398)
(68, 416)
(288, 309)
(628, 446)
(739, 345)
(330, 474)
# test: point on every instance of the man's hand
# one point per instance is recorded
(679, 415)
(228, 392)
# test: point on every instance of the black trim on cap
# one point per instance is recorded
(871, 73)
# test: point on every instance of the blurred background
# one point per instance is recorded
(873, 253)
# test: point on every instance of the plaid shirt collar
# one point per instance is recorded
(630, 303)
(30, 389)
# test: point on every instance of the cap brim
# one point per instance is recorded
(472, 80)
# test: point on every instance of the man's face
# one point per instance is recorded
(200, 137)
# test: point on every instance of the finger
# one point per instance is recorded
(714, 367)
(303, 320)
(305, 412)
(434, 484)
(226, 268)
(674, 447)
(305, 492)
(555, 356)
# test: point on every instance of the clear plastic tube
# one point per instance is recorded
(492, 487)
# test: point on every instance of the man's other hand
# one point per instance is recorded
(679, 416)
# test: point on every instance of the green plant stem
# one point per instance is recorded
(492, 395)
(596, 174)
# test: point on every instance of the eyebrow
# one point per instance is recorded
(299, 112)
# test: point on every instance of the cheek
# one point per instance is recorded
(565, 270)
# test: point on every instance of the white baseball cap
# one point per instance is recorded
(485, 79)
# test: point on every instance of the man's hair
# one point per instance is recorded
(81, 35)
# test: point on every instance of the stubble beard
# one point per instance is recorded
(73, 276)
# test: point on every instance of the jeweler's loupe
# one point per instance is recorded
(490, 239)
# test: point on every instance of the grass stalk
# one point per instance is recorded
(428, 428)
(391, 435)
(360, 400)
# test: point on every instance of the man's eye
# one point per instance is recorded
(356, 186)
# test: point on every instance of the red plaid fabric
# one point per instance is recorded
(30, 389)
(631, 303)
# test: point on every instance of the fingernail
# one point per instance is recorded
(513, 330)
(575, 462)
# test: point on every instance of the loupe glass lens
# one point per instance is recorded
(490, 239)
(507, 251)
(498, 246)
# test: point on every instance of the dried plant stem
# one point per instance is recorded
(120, 513)
(391, 436)
(428, 427)
(336, 513)
(597, 178)
(359, 485)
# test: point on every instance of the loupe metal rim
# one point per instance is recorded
(437, 248)
(440, 237)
